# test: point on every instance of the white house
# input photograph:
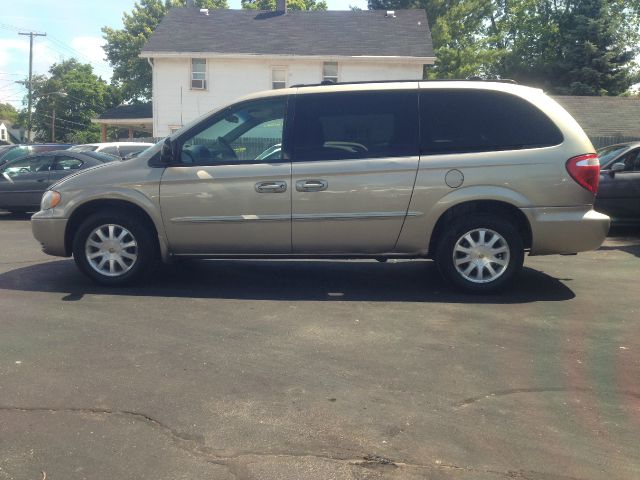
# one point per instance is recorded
(203, 60)
(8, 134)
(4, 132)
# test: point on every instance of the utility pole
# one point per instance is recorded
(31, 35)
(53, 126)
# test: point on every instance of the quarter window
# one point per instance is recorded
(458, 121)
(198, 73)
(330, 72)
(278, 77)
(67, 163)
(338, 126)
(113, 150)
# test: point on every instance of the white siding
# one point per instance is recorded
(174, 103)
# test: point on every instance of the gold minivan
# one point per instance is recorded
(471, 174)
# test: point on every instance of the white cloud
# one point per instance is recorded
(43, 57)
(91, 50)
(9, 48)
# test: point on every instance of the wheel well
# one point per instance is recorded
(493, 207)
(89, 208)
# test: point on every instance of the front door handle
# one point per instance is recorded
(311, 185)
(271, 187)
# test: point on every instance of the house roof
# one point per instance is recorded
(303, 33)
(604, 116)
(126, 112)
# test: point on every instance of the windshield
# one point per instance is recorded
(606, 154)
(14, 153)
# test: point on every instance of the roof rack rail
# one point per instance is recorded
(325, 83)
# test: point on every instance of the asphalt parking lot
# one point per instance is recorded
(319, 370)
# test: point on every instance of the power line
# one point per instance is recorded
(61, 45)
(4, 26)
(70, 50)
(9, 87)
(63, 120)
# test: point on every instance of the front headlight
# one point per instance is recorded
(50, 199)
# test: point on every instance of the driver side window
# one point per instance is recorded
(632, 161)
(27, 166)
(249, 132)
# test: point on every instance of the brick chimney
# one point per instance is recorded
(281, 6)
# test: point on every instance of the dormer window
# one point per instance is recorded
(198, 73)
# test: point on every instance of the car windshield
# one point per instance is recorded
(15, 153)
(606, 154)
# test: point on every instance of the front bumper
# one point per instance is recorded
(566, 229)
(50, 232)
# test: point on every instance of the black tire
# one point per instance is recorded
(137, 230)
(474, 275)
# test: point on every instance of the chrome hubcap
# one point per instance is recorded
(481, 255)
(111, 250)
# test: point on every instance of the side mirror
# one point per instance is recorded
(167, 154)
(616, 167)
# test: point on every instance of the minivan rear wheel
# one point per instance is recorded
(480, 253)
(114, 249)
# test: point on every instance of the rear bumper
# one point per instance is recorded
(49, 232)
(566, 229)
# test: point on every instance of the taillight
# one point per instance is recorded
(585, 169)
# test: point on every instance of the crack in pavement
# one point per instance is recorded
(193, 446)
(514, 391)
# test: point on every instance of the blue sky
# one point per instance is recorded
(73, 29)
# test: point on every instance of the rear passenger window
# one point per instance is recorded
(458, 121)
(111, 150)
(356, 125)
(67, 163)
(126, 150)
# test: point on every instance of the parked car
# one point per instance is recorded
(619, 191)
(121, 149)
(471, 174)
(24, 180)
(9, 152)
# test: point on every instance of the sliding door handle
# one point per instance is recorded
(311, 185)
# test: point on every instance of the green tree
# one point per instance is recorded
(8, 112)
(76, 95)
(580, 47)
(131, 74)
(576, 47)
(291, 4)
(459, 30)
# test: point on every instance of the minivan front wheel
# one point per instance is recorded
(480, 253)
(114, 249)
